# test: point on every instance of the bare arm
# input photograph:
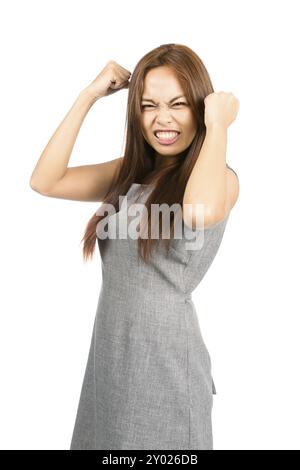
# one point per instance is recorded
(52, 177)
(86, 182)
(53, 162)
(211, 183)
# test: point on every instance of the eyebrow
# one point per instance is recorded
(173, 99)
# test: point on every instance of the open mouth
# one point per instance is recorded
(166, 138)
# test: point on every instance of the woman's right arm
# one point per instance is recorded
(51, 175)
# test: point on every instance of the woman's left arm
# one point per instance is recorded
(211, 184)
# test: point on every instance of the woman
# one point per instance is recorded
(148, 382)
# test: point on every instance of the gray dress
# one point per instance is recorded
(148, 382)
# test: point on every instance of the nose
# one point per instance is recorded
(163, 115)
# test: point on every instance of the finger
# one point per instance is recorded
(117, 85)
(116, 82)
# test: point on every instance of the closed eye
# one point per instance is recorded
(178, 103)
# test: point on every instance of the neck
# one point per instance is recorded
(164, 162)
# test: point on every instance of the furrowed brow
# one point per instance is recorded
(173, 99)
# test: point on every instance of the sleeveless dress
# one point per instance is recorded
(147, 382)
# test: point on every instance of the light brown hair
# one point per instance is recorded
(138, 162)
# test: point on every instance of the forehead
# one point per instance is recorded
(161, 82)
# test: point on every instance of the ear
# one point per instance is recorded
(233, 187)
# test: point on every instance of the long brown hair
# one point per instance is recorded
(138, 162)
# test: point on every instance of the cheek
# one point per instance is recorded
(145, 131)
(186, 121)
(145, 125)
(191, 127)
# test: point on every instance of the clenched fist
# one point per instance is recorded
(111, 79)
(220, 108)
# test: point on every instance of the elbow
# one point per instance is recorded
(203, 215)
(35, 187)
(216, 213)
(208, 218)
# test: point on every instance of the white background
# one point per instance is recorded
(248, 303)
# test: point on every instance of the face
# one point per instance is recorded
(161, 111)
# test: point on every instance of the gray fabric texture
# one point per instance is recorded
(147, 382)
